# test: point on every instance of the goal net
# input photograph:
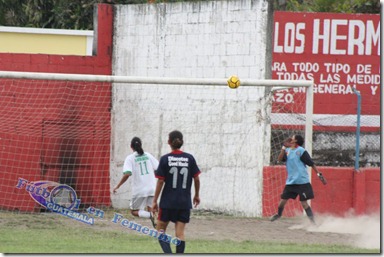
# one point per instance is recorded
(64, 137)
(55, 131)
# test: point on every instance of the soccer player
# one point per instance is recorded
(297, 182)
(141, 166)
(175, 174)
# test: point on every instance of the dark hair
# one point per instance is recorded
(136, 145)
(176, 139)
(299, 140)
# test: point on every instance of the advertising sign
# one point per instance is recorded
(339, 52)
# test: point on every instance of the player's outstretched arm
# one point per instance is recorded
(122, 181)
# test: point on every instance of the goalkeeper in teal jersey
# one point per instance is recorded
(176, 172)
(141, 166)
(297, 182)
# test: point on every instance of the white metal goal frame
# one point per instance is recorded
(273, 84)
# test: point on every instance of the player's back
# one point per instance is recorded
(177, 169)
(142, 167)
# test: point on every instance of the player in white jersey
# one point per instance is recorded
(141, 166)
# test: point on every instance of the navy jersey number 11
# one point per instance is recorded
(177, 169)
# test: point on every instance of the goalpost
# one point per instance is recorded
(74, 129)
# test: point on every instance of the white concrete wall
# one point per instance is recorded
(226, 130)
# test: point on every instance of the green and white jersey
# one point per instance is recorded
(142, 170)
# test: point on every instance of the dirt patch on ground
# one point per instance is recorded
(363, 231)
(285, 230)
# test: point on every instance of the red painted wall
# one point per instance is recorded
(346, 190)
(34, 158)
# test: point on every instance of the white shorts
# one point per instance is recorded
(140, 203)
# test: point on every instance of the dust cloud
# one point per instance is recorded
(366, 228)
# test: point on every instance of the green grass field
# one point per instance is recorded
(52, 233)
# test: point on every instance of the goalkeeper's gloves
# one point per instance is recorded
(321, 177)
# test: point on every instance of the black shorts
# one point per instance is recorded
(291, 191)
(174, 215)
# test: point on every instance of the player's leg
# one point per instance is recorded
(135, 213)
(180, 227)
(164, 243)
(183, 217)
(280, 209)
(148, 208)
(305, 195)
(141, 213)
(138, 206)
(288, 193)
(308, 210)
(163, 219)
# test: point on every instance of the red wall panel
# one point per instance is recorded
(373, 187)
(346, 190)
(32, 148)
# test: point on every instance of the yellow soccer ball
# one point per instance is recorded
(233, 82)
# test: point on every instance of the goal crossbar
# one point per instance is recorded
(152, 80)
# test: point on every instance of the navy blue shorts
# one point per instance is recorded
(292, 191)
(174, 215)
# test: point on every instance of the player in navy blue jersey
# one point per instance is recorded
(175, 174)
(297, 182)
